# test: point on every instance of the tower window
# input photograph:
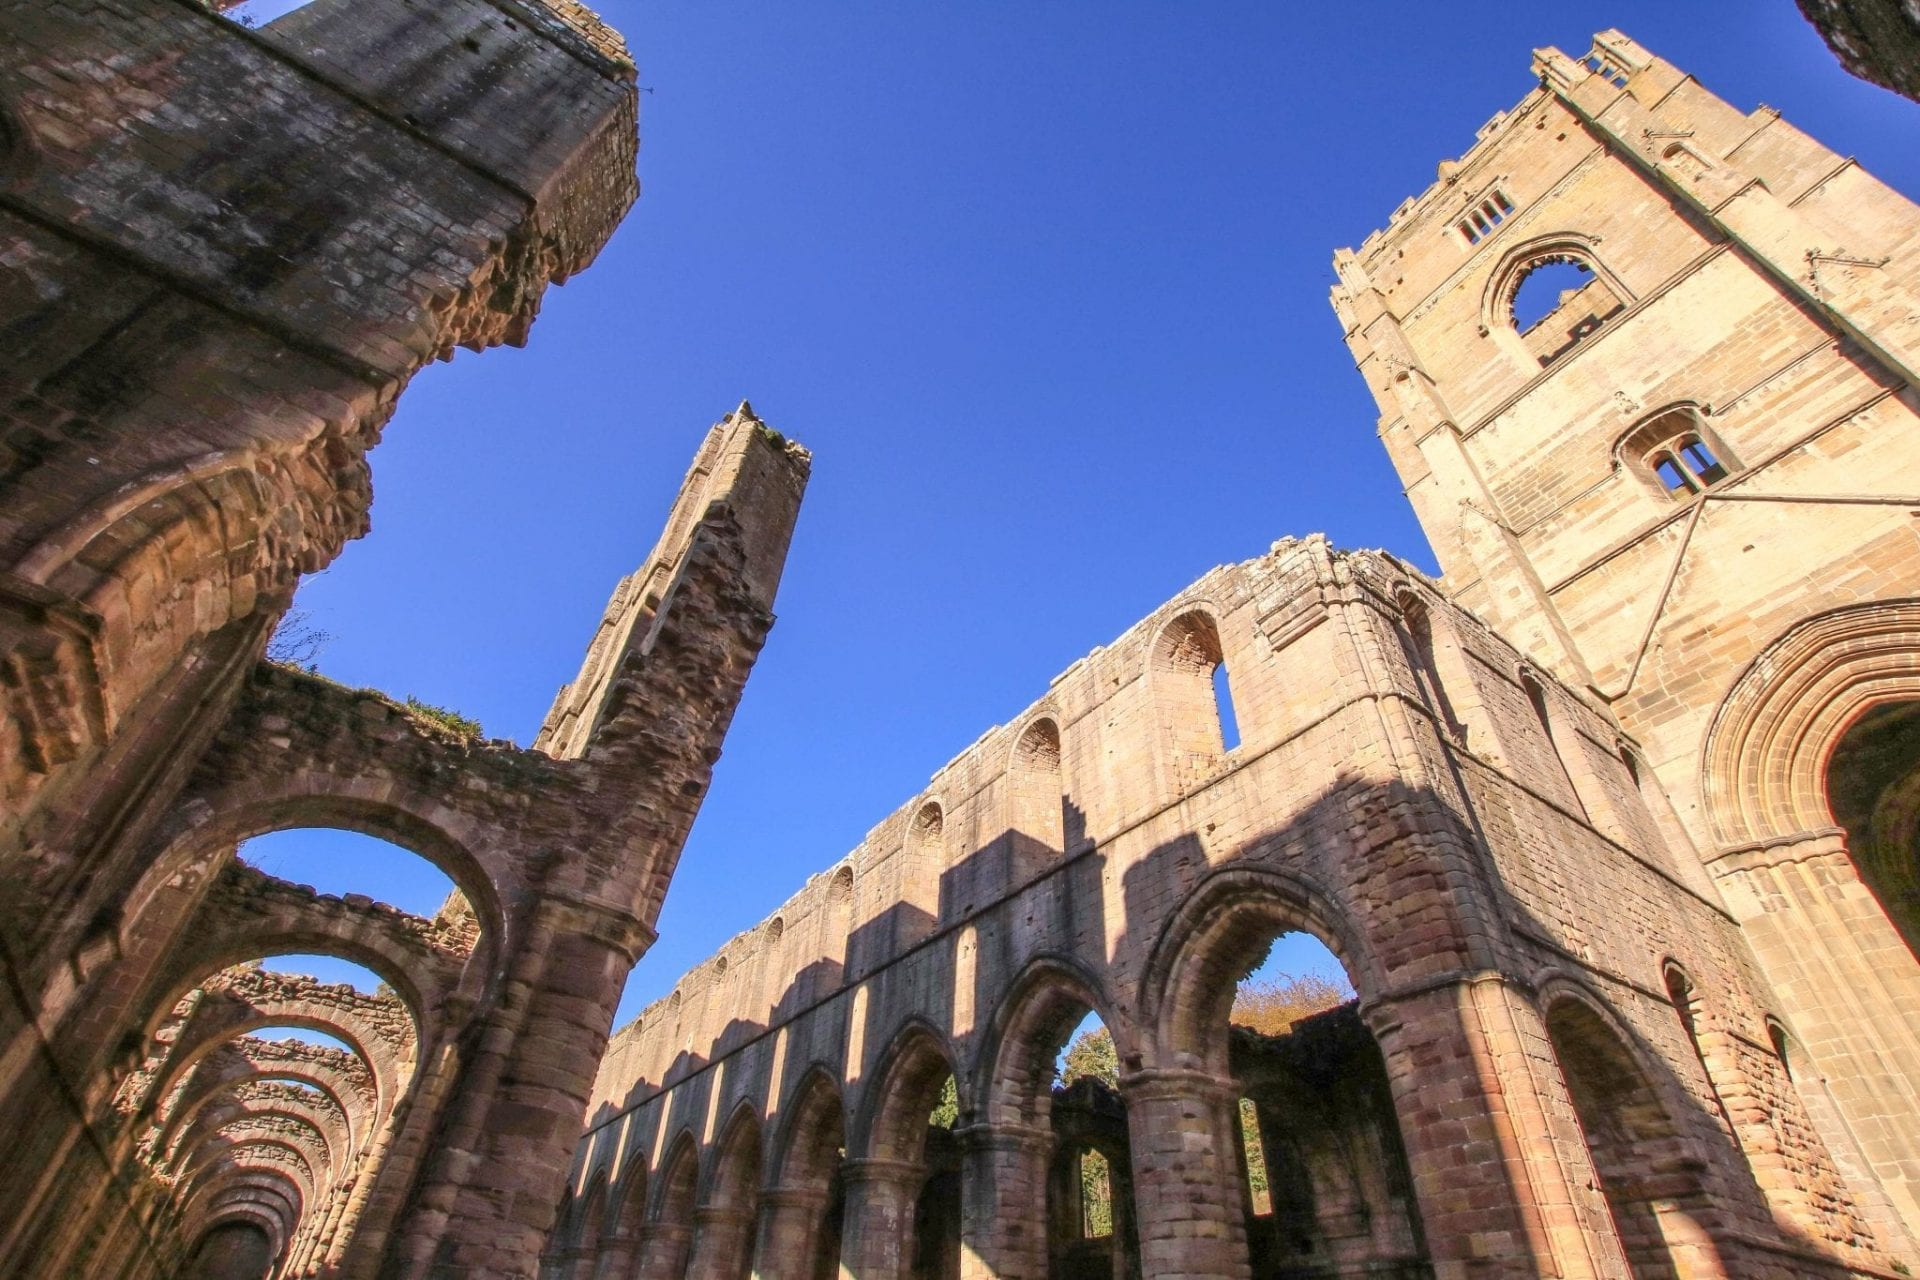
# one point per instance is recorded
(1607, 69)
(1675, 450)
(1481, 219)
(1685, 465)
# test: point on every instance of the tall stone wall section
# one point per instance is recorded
(1484, 874)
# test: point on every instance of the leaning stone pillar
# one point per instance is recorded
(788, 1235)
(1003, 1223)
(485, 1207)
(1189, 1205)
(876, 1242)
(722, 1236)
(1848, 985)
(1500, 1170)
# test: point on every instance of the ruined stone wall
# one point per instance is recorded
(1476, 868)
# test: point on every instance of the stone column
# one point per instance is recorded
(663, 1251)
(722, 1237)
(1848, 986)
(1189, 1205)
(1003, 1223)
(498, 1164)
(1500, 1169)
(619, 1254)
(876, 1241)
(788, 1233)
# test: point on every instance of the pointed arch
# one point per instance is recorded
(897, 1098)
(1014, 1071)
(1219, 934)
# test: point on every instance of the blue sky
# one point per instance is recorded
(1044, 289)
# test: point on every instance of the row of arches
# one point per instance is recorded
(1315, 1140)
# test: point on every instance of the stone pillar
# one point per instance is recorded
(1189, 1205)
(1003, 1223)
(1849, 988)
(876, 1241)
(787, 1236)
(663, 1251)
(1500, 1169)
(619, 1254)
(722, 1238)
(486, 1204)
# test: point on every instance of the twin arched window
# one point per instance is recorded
(1675, 453)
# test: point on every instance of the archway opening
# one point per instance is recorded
(335, 861)
(1326, 1182)
(231, 1251)
(1090, 1218)
(808, 1179)
(936, 1212)
(1873, 789)
(1645, 1171)
(1323, 1174)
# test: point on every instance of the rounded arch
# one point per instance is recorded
(1045, 1001)
(890, 1122)
(1036, 792)
(1217, 935)
(389, 1075)
(181, 1122)
(1763, 765)
(204, 835)
(1647, 1170)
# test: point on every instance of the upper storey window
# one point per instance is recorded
(1607, 69)
(1479, 221)
(1555, 297)
(1676, 452)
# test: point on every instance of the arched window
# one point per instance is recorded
(1550, 297)
(1195, 701)
(1037, 807)
(1543, 715)
(1675, 454)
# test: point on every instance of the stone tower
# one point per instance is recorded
(1686, 479)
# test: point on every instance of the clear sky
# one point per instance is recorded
(1043, 286)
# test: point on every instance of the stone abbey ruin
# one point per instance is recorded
(1613, 827)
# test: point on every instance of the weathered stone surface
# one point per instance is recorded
(1877, 40)
(227, 250)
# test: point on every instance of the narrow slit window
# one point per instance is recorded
(1257, 1192)
(1223, 702)
(1480, 219)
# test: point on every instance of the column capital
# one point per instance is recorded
(612, 926)
(986, 1135)
(878, 1169)
(722, 1214)
(1174, 1082)
(794, 1198)
(1818, 844)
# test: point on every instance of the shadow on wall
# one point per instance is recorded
(1402, 883)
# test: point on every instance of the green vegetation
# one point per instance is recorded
(946, 1112)
(452, 721)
